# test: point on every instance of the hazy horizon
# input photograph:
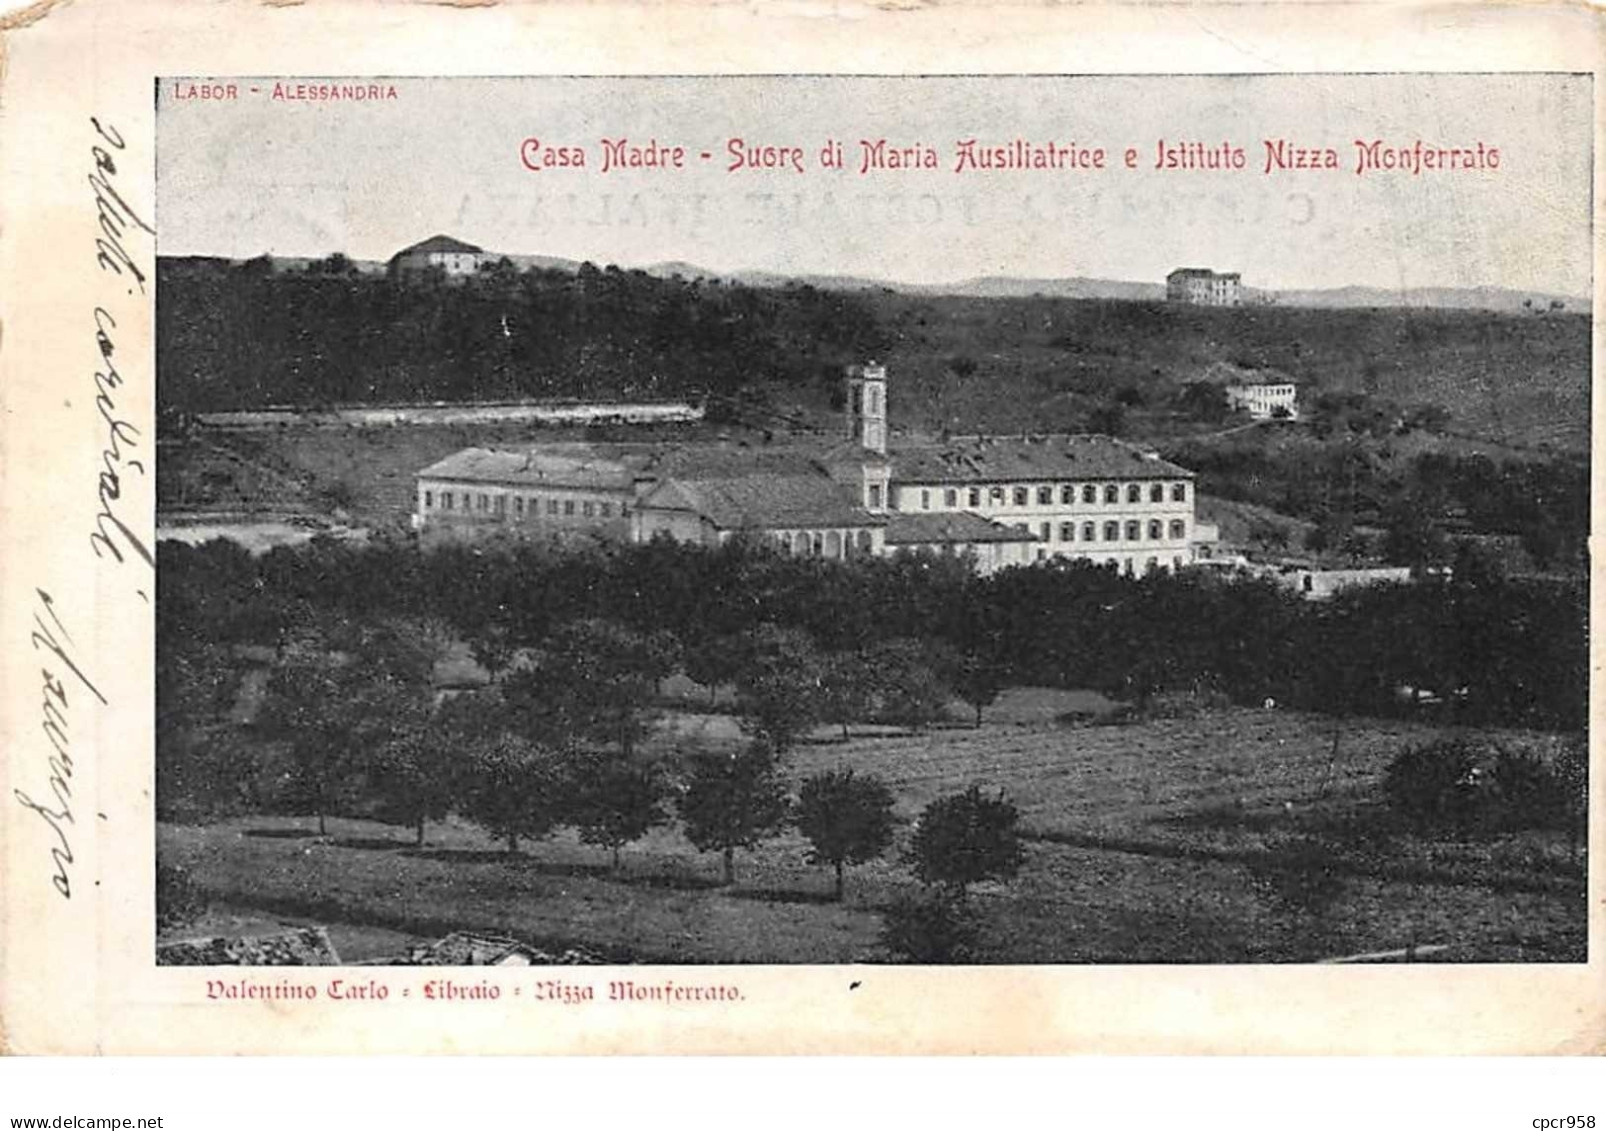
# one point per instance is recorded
(366, 178)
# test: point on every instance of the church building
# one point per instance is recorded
(994, 501)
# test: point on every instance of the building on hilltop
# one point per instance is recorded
(993, 501)
(452, 256)
(1200, 286)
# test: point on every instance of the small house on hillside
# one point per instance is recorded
(452, 256)
(1262, 393)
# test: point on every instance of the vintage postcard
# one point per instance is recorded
(539, 529)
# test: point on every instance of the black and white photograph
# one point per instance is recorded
(945, 520)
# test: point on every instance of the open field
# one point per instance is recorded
(1147, 842)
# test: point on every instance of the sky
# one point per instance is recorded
(250, 174)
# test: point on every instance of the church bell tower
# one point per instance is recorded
(867, 406)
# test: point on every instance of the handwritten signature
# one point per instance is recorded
(55, 678)
(63, 675)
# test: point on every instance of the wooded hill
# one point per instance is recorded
(249, 335)
(233, 336)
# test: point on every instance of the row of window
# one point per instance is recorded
(1178, 530)
(1068, 492)
(522, 507)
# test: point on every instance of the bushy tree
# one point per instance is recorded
(321, 711)
(909, 691)
(356, 697)
(779, 691)
(847, 690)
(978, 680)
(195, 683)
(934, 927)
(713, 660)
(618, 801)
(965, 838)
(1432, 784)
(515, 789)
(847, 819)
(733, 801)
(415, 777)
(593, 681)
(1528, 791)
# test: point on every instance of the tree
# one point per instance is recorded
(733, 801)
(593, 681)
(195, 683)
(931, 928)
(978, 680)
(712, 660)
(909, 692)
(847, 819)
(1203, 401)
(415, 776)
(779, 690)
(1432, 785)
(516, 789)
(617, 802)
(320, 709)
(847, 694)
(965, 838)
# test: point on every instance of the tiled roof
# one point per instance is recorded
(1226, 373)
(1038, 459)
(957, 526)
(440, 244)
(727, 461)
(532, 468)
(763, 500)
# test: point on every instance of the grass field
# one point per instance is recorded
(1147, 842)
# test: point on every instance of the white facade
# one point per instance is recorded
(994, 501)
(1197, 286)
(1135, 526)
(452, 262)
(1265, 401)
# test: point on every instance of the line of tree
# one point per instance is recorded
(1493, 651)
(249, 335)
(351, 723)
(1426, 505)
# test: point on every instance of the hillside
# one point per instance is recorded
(254, 334)
(1013, 365)
(246, 335)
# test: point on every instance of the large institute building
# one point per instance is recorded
(995, 501)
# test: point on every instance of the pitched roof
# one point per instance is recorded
(762, 500)
(533, 468)
(1226, 373)
(1203, 273)
(957, 526)
(1031, 460)
(439, 244)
